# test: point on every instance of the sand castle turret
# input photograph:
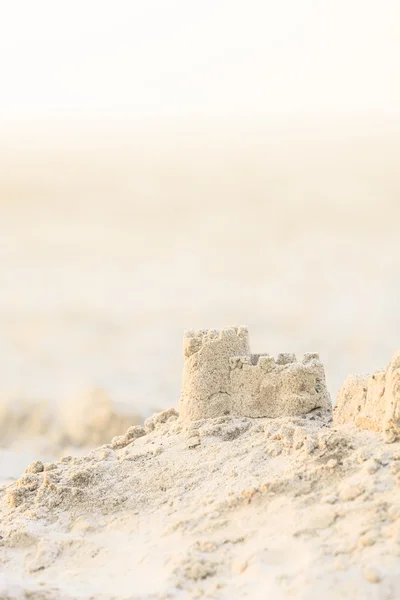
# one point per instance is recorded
(222, 377)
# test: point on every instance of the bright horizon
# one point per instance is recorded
(144, 62)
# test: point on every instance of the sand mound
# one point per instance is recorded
(31, 428)
(221, 508)
(372, 401)
(23, 416)
(90, 418)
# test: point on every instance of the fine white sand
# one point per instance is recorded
(224, 508)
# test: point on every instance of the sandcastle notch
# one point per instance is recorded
(222, 377)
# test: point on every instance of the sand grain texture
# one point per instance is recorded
(221, 508)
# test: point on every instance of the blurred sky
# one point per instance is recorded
(142, 61)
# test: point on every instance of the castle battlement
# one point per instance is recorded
(221, 376)
(194, 340)
(268, 362)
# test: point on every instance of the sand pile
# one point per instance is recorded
(39, 428)
(90, 418)
(372, 401)
(20, 416)
(229, 507)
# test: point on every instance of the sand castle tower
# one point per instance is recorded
(206, 387)
(222, 377)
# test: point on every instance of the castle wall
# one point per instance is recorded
(278, 388)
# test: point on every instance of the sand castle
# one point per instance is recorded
(372, 401)
(222, 377)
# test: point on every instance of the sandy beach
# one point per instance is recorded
(199, 300)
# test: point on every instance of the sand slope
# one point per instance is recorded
(225, 508)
